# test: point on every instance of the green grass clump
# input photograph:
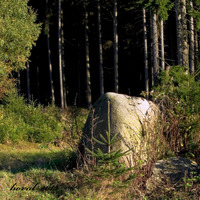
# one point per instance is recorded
(22, 121)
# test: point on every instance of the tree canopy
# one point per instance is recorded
(18, 33)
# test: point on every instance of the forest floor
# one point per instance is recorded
(35, 172)
(26, 165)
(48, 171)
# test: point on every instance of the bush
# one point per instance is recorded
(178, 95)
(22, 121)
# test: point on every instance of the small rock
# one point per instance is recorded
(171, 173)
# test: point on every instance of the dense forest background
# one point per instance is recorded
(75, 34)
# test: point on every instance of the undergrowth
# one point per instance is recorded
(51, 161)
(20, 121)
(178, 96)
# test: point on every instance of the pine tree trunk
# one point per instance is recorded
(63, 60)
(162, 44)
(88, 82)
(115, 45)
(101, 76)
(60, 55)
(79, 78)
(196, 47)
(49, 58)
(145, 54)
(155, 52)
(192, 46)
(182, 34)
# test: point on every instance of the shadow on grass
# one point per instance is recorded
(21, 162)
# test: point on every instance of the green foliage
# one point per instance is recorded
(21, 121)
(194, 12)
(160, 6)
(18, 32)
(17, 36)
(178, 95)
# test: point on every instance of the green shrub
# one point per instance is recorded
(178, 95)
(22, 121)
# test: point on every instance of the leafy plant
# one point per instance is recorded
(19, 31)
(22, 121)
(178, 95)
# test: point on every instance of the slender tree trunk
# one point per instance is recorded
(152, 69)
(115, 34)
(88, 82)
(192, 45)
(101, 76)
(155, 52)
(60, 55)
(196, 47)
(28, 82)
(182, 34)
(79, 77)
(162, 44)
(63, 60)
(49, 58)
(50, 69)
(145, 54)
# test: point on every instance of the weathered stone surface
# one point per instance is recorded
(171, 173)
(127, 118)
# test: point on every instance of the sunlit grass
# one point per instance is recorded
(24, 156)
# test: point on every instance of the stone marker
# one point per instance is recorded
(129, 118)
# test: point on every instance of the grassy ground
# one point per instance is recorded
(32, 171)
(27, 165)
(47, 170)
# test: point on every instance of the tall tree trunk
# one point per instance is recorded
(115, 34)
(196, 47)
(182, 34)
(101, 76)
(79, 76)
(192, 45)
(155, 52)
(28, 82)
(63, 60)
(162, 47)
(88, 82)
(49, 58)
(60, 55)
(145, 54)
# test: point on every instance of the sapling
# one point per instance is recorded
(109, 164)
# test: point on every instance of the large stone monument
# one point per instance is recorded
(131, 118)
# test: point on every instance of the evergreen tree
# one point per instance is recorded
(146, 67)
(182, 33)
(115, 36)
(49, 52)
(101, 76)
(60, 56)
(159, 13)
(87, 57)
